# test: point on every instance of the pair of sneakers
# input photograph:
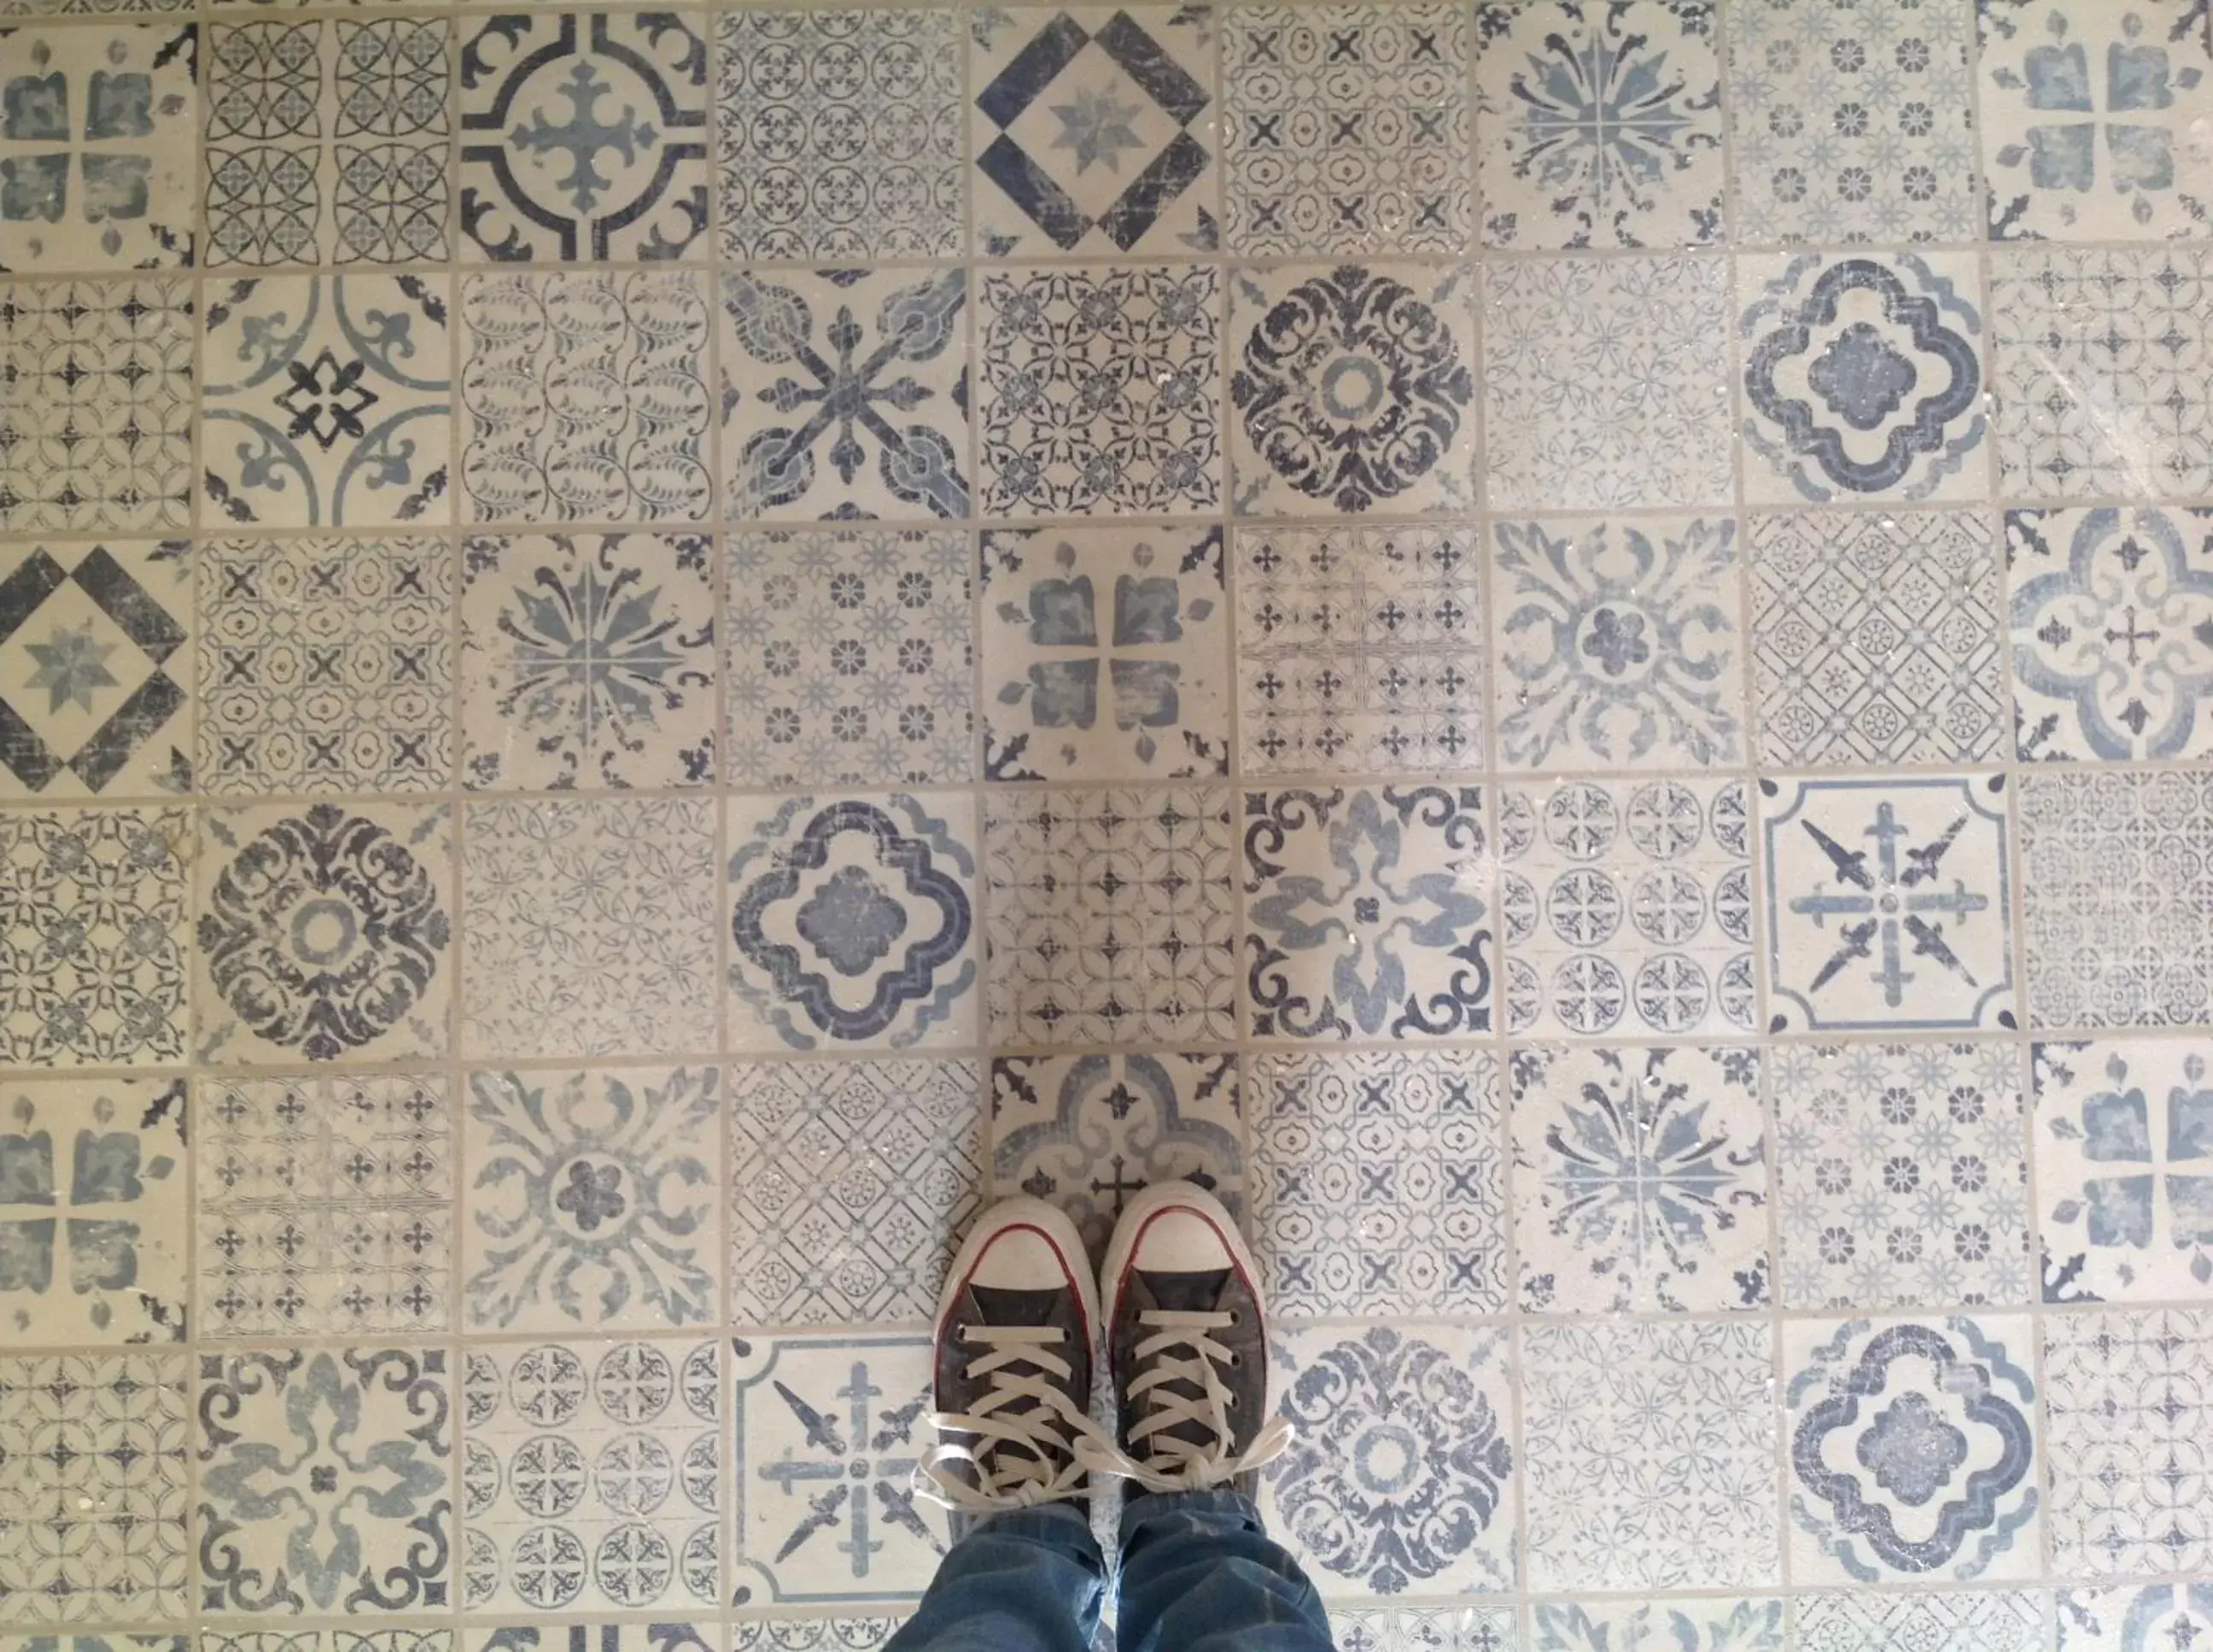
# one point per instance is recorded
(1177, 1306)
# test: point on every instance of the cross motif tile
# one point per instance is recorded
(2132, 1618)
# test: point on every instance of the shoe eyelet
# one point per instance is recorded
(1233, 1316)
(1236, 1360)
(1232, 1402)
(960, 1332)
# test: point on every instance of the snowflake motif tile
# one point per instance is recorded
(2117, 877)
(1874, 638)
(1093, 130)
(1598, 123)
(1098, 392)
(92, 1473)
(1105, 655)
(1863, 377)
(95, 426)
(325, 1206)
(1903, 1175)
(92, 937)
(1367, 912)
(1352, 389)
(1852, 121)
(1606, 384)
(849, 143)
(1618, 643)
(587, 661)
(1983, 1620)
(94, 1216)
(96, 148)
(844, 393)
(328, 401)
(851, 661)
(2096, 119)
(2098, 366)
(326, 665)
(848, 1182)
(1085, 1132)
(1423, 1628)
(1889, 904)
(829, 1429)
(584, 397)
(1377, 1185)
(2128, 1410)
(589, 926)
(1346, 130)
(2146, 1619)
(1912, 1449)
(1110, 917)
(1672, 858)
(325, 1482)
(1401, 1475)
(1721, 1626)
(590, 1477)
(93, 645)
(583, 137)
(2112, 633)
(327, 142)
(326, 932)
(852, 922)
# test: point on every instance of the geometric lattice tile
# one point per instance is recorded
(1985, 1620)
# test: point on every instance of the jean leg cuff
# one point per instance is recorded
(1139, 1512)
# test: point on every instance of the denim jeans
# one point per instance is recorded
(1198, 1575)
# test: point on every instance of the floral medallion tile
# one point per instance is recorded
(1874, 638)
(1098, 390)
(1352, 389)
(1912, 1449)
(829, 1429)
(2123, 1147)
(1984, 1620)
(699, 1635)
(1105, 655)
(327, 142)
(2096, 119)
(1618, 644)
(587, 661)
(1641, 1178)
(1650, 1456)
(1606, 384)
(1889, 904)
(852, 922)
(1670, 859)
(1377, 1183)
(584, 137)
(98, 680)
(2117, 880)
(2131, 1618)
(96, 420)
(96, 148)
(1423, 1628)
(94, 1475)
(848, 1181)
(584, 396)
(1863, 377)
(1367, 912)
(1346, 130)
(1085, 1132)
(590, 1477)
(592, 1199)
(328, 401)
(94, 937)
(325, 1482)
(326, 665)
(1402, 1476)
(851, 660)
(2127, 1412)
(1852, 121)
(1097, 132)
(876, 422)
(1598, 123)
(849, 143)
(589, 929)
(1110, 917)
(1354, 648)
(326, 932)
(1903, 1172)
(325, 1206)
(1717, 1625)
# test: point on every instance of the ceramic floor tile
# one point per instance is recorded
(1987, 1620)
(1708, 1625)
(2145, 1616)
(1422, 1628)
(702, 1635)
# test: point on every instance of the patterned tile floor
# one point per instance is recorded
(1564, 645)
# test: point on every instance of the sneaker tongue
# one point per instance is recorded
(998, 1305)
(1187, 1293)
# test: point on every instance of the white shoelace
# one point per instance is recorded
(1016, 1450)
(1182, 1350)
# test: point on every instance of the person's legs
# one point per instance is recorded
(1200, 1574)
(1028, 1580)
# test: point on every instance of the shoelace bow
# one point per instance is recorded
(1023, 1455)
(1182, 1351)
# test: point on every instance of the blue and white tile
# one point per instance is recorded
(699, 1635)
(415, 1638)
(1691, 1625)
(1423, 1628)
(2148, 1618)
(847, 1632)
(101, 1641)
(1959, 1620)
